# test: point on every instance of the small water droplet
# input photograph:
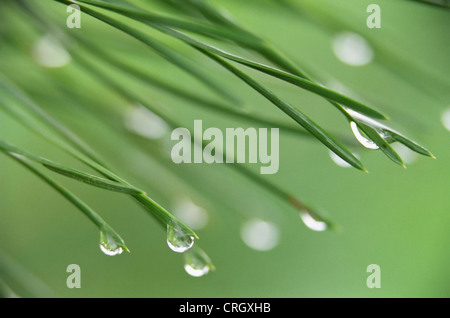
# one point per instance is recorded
(339, 161)
(352, 49)
(260, 235)
(362, 140)
(196, 264)
(109, 245)
(366, 120)
(49, 52)
(18, 156)
(311, 222)
(178, 240)
(190, 213)
(446, 119)
(145, 123)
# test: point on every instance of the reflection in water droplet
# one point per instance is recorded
(109, 245)
(339, 161)
(446, 119)
(196, 272)
(196, 264)
(191, 214)
(311, 222)
(362, 140)
(49, 52)
(352, 49)
(143, 122)
(260, 235)
(178, 240)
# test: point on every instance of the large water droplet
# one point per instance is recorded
(145, 123)
(196, 264)
(109, 245)
(362, 140)
(446, 119)
(311, 222)
(352, 49)
(190, 213)
(178, 240)
(260, 235)
(49, 52)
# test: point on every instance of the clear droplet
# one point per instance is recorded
(362, 140)
(109, 245)
(311, 222)
(145, 123)
(339, 161)
(387, 136)
(178, 240)
(352, 49)
(367, 120)
(260, 235)
(190, 213)
(50, 53)
(196, 264)
(18, 156)
(446, 119)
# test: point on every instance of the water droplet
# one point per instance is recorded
(49, 52)
(339, 161)
(191, 214)
(366, 120)
(352, 49)
(109, 245)
(260, 235)
(362, 140)
(387, 136)
(18, 156)
(446, 119)
(311, 222)
(196, 264)
(145, 123)
(178, 240)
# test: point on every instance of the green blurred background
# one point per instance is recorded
(394, 217)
